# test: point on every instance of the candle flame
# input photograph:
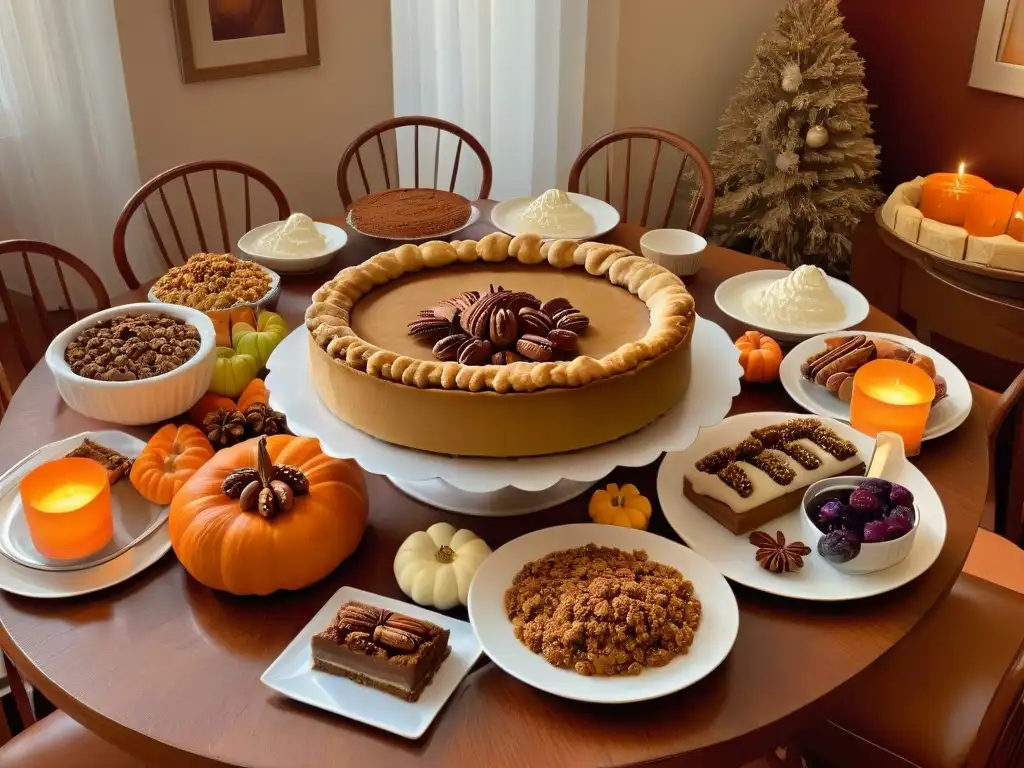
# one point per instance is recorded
(960, 171)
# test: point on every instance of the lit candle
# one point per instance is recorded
(892, 396)
(67, 508)
(989, 213)
(1015, 228)
(946, 197)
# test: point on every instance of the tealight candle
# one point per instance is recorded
(989, 213)
(892, 396)
(67, 508)
(946, 197)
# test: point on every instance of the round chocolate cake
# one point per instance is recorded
(413, 214)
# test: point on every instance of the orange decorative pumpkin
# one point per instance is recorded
(209, 403)
(254, 392)
(760, 357)
(169, 459)
(252, 525)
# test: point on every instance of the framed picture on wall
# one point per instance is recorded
(999, 51)
(234, 38)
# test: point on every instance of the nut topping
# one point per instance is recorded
(395, 639)
(475, 352)
(535, 348)
(552, 306)
(268, 489)
(504, 330)
(447, 349)
(429, 329)
(571, 320)
(563, 340)
(533, 321)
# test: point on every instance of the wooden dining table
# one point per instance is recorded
(169, 670)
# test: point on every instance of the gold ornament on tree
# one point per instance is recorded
(817, 136)
(775, 196)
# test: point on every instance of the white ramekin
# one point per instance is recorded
(677, 250)
(145, 401)
(873, 556)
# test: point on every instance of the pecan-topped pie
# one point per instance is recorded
(389, 651)
(501, 347)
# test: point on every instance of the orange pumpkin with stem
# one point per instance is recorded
(169, 459)
(268, 514)
(760, 357)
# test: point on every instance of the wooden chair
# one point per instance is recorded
(951, 694)
(31, 334)
(702, 200)
(161, 185)
(54, 741)
(5, 392)
(390, 170)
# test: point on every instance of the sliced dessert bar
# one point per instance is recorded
(384, 650)
(117, 466)
(743, 486)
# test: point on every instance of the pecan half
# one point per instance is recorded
(535, 348)
(504, 330)
(571, 320)
(447, 349)
(395, 639)
(552, 306)
(429, 329)
(357, 617)
(475, 352)
(504, 358)
(533, 321)
(563, 340)
(409, 625)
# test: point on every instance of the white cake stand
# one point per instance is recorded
(495, 487)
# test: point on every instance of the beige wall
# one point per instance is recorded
(293, 125)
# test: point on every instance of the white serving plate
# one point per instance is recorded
(310, 262)
(474, 216)
(730, 294)
(712, 641)
(707, 401)
(268, 299)
(292, 672)
(145, 401)
(31, 582)
(949, 414)
(734, 555)
(505, 216)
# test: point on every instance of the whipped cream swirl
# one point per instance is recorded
(803, 297)
(298, 236)
(554, 214)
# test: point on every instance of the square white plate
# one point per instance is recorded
(292, 672)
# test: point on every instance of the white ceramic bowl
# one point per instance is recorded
(336, 239)
(678, 250)
(145, 401)
(269, 300)
(873, 557)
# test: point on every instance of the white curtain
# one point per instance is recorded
(511, 72)
(67, 154)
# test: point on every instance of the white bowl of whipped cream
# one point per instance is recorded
(556, 214)
(792, 306)
(296, 245)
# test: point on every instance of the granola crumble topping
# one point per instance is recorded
(603, 611)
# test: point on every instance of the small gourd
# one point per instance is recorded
(259, 341)
(169, 459)
(232, 372)
(435, 567)
(760, 356)
(624, 506)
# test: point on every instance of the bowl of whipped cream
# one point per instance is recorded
(296, 245)
(792, 306)
(556, 214)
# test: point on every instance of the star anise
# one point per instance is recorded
(224, 428)
(261, 419)
(775, 555)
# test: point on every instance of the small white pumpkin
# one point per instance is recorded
(434, 567)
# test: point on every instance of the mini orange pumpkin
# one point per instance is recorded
(209, 403)
(255, 392)
(256, 551)
(760, 357)
(169, 459)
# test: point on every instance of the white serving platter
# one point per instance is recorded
(948, 414)
(310, 262)
(734, 555)
(505, 216)
(712, 642)
(292, 672)
(730, 295)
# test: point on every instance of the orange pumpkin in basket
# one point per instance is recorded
(268, 514)
(760, 357)
(169, 459)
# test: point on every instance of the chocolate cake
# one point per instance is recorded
(415, 214)
(388, 651)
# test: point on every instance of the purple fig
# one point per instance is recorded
(896, 526)
(877, 486)
(839, 546)
(900, 496)
(875, 531)
(901, 511)
(865, 501)
(830, 512)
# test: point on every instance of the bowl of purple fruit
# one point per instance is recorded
(861, 524)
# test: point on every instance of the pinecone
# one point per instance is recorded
(224, 428)
(261, 419)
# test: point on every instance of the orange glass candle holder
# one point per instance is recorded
(947, 197)
(892, 396)
(1015, 228)
(989, 213)
(67, 507)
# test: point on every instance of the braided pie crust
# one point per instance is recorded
(670, 305)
